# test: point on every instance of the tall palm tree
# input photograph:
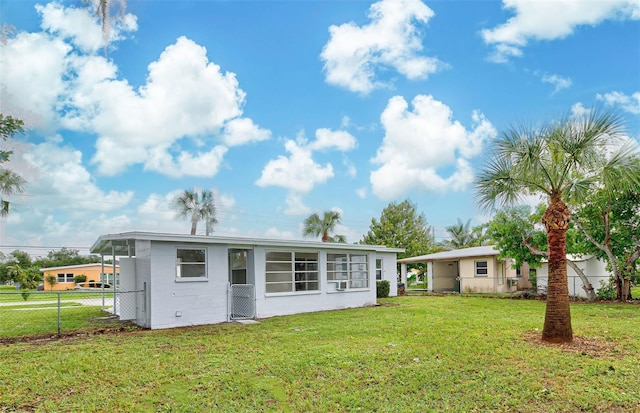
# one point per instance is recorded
(316, 226)
(197, 206)
(561, 161)
(462, 235)
(10, 182)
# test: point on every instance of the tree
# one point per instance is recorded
(513, 231)
(65, 256)
(463, 236)
(103, 9)
(610, 229)
(29, 278)
(562, 161)
(400, 226)
(196, 205)
(51, 280)
(10, 182)
(321, 227)
(17, 257)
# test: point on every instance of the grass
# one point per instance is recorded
(412, 354)
(40, 320)
(8, 295)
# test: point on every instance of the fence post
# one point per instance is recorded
(58, 312)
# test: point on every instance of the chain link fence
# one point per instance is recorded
(46, 313)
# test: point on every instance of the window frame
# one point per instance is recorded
(179, 264)
(485, 268)
(347, 269)
(66, 278)
(379, 269)
(301, 272)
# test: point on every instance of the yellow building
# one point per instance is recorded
(65, 275)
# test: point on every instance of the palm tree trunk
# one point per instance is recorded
(194, 225)
(557, 319)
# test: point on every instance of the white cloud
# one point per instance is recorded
(297, 172)
(544, 20)
(295, 205)
(63, 178)
(186, 102)
(578, 110)
(327, 139)
(361, 192)
(354, 54)
(241, 131)
(80, 27)
(419, 142)
(273, 232)
(351, 168)
(628, 103)
(32, 67)
(557, 81)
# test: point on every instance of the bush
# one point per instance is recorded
(382, 289)
(607, 290)
(80, 278)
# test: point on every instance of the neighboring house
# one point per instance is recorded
(190, 280)
(468, 270)
(65, 275)
(594, 269)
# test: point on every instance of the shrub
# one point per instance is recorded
(80, 278)
(607, 290)
(382, 289)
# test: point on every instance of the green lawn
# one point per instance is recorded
(412, 354)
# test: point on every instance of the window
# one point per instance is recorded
(378, 269)
(291, 271)
(191, 264)
(351, 269)
(64, 278)
(482, 269)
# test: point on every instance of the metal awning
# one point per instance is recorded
(114, 247)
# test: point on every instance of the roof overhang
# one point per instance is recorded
(123, 244)
(454, 255)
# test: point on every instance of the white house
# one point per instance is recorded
(468, 270)
(594, 269)
(190, 280)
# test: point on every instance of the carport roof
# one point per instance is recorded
(483, 251)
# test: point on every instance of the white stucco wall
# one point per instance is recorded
(594, 269)
(178, 303)
(390, 271)
(172, 302)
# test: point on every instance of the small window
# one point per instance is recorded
(482, 268)
(64, 278)
(378, 269)
(191, 264)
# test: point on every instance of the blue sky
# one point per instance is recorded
(284, 108)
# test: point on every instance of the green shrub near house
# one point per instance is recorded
(382, 289)
(80, 278)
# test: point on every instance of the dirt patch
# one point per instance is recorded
(586, 346)
(44, 338)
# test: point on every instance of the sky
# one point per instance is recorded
(285, 108)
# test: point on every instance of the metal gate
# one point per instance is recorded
(242, 302)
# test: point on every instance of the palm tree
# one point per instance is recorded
(197, 206)
(561, 161)
(10, 182)
(316, 226)
(462, 236)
